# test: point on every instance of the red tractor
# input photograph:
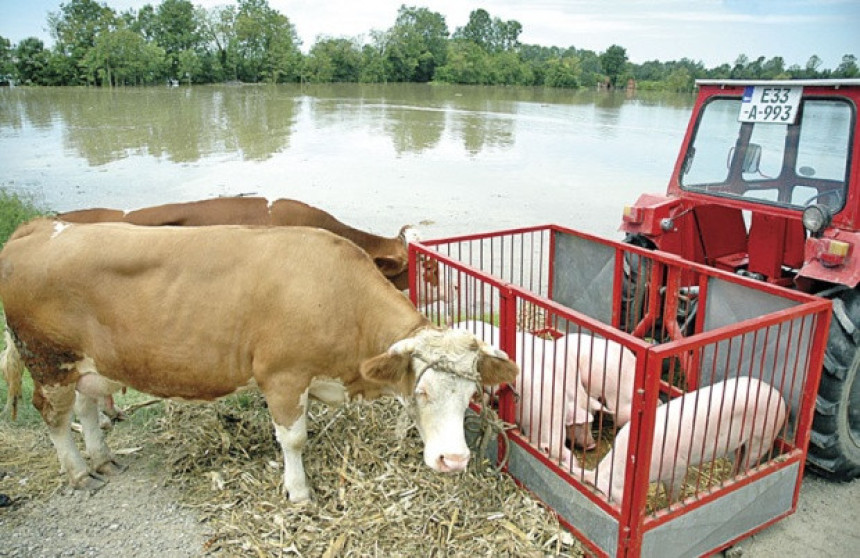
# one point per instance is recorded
(767, 185)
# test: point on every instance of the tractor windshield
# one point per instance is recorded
(768, 160)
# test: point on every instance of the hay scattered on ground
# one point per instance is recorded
(373, 494)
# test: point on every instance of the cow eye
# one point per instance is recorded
(421, 395)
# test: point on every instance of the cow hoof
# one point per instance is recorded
(91, 482)
(112, 467)
(105, 422)
(301, 498)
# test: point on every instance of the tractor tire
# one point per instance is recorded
(834, 446)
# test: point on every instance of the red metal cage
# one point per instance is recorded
(708, 378)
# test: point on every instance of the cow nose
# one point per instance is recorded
(452, 462)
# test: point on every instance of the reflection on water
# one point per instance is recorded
(460, 157)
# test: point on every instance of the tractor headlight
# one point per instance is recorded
(816, 218)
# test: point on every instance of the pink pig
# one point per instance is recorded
(742, 415)
(557, 414)
(607, 370)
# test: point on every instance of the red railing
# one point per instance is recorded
(594, 322)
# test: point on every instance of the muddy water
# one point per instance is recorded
(454, 159)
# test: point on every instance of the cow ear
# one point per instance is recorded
(496, 368)
(390, 265)
(387, 368)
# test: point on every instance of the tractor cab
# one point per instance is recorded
(765, 185)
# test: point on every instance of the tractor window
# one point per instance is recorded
(774, 163)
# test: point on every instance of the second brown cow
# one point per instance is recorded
(389, 254)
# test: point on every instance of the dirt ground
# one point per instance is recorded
(137, 514)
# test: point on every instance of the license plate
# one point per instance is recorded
(767, 103)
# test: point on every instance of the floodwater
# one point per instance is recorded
(452, 160)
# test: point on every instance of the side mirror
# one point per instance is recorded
(752, 158)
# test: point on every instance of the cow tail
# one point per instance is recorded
(13, 369)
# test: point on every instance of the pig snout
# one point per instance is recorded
(581, 436)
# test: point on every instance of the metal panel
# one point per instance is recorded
(731, 516)
(761, 356)
(570, 504)
(582, 275)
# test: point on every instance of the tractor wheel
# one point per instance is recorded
(834, 446)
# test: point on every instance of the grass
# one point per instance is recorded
(15, 209)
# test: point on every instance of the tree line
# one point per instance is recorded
(250, 41)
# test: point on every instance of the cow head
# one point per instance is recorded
(441, 370)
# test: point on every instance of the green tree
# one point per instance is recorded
(589, 62)
(266, 44)
(7, 66)
(417, 44)
(680, 80)
(507, 68)
(373, 59)
(478, 30)
(491, 34)
(218, 32)
(812, 66)
(614, 62)
(848, 68)
(176, 30)
(563, 72)
(189, 65)
(31, 61)
(466, 63)
(334, 60)
(123, 57)
(774, 69)
(75, 28)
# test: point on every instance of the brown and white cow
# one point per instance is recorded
(389, 254)
(199, 313)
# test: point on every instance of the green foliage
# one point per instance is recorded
(563, 72)
(175, 29)
(265, 44)
(14, 210)
(32, 61)
(122, 57)
(7, 66)
(490, 34)
(848, 68)
(416, 45)
(248, 40)
(333, 60)
(613, 62)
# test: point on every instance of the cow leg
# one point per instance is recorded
(289, 417)
(55, 403)
(292, 439)
(87, 411)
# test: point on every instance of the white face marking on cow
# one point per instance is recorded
(441, 400)
(447, 379)
(59, 227)
(329, 391)
(410, 235)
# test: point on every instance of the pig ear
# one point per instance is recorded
(387, 368)
(495, 367)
